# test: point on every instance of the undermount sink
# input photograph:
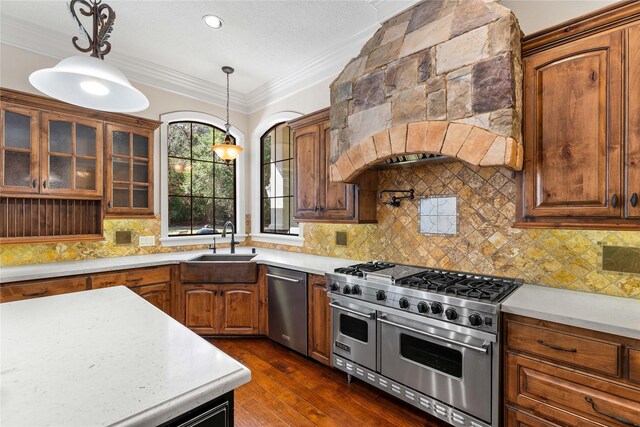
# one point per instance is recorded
(224, 258)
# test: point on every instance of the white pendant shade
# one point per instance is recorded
(91, 83)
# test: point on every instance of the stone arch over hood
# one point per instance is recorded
(444, 77)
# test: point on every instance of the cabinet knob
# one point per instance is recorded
(215, 293)
(109, 204)
(634, 199)
(614, 201)
(44, 184)
(221, 292)
(34, 183)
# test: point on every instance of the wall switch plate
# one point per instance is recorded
(123, 237)
(147, 241)
(341, 238)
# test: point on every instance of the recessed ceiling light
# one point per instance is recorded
(213, 21)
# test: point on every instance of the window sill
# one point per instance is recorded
(278, 239)
(198, 240)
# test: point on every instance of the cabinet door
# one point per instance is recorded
(71, 155)
(307, 179)
(129, 171)
(238, 309)
(337, 199)
(319, 320)
(200, 308)
(573, 117)
(18, 150)
(633, 123)
(158, 295)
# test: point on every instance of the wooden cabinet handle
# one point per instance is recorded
(615, 417)
(614, 201)
(634, 199)
(557, 347)
(35, 294)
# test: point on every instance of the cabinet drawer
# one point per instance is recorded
(634, 365)
(132, 278)
(569, 397)
(42, 289)
(520, 419)
(588, 353)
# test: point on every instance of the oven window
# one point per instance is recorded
(354, 328)
(443, 359)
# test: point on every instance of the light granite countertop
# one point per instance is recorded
(303, 262)
(604, 313)
(104, 357)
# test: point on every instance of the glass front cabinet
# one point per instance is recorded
(129, 170)
(19, 163)
(71, 156)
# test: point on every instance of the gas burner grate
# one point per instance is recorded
(459, 284)
(360, 269)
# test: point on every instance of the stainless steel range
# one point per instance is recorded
(426, 336)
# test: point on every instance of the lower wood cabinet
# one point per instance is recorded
(42, 288)
(152, 284)
(319, 316)
(561, 375)
(228, 309)
(158, 295)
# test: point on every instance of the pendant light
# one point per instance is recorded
(227, 151)
(88, 81)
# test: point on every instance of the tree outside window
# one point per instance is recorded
(201, 185)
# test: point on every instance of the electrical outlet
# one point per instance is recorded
(341, 238)
(147, 240)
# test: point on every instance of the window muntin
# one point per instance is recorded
(276, 182)
(201, 186)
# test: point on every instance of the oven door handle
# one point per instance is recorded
(482, 349)
(357, 313)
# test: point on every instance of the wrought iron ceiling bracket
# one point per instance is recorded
(103, 18)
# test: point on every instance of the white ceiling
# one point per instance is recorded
(276, 47)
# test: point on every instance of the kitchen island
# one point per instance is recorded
(107, 357)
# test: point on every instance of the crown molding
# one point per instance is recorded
(328, 64)
(34, 38)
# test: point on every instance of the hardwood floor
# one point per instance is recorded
(287, 389)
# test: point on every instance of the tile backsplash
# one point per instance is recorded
(485, 242)
(438, 215)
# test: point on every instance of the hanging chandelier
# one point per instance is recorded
(88, 81)
(227, 151)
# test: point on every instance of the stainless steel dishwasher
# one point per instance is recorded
(288, 308)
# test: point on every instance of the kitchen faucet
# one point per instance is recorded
(233, 232)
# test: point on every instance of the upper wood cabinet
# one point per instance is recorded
(316, 198)
(70, 155)
(19, 150)
(129, 170)
(581, 125)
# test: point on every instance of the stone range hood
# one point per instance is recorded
(443, 78)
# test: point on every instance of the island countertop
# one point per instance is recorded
(104, 357)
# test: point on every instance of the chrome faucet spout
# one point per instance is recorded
(233, 232)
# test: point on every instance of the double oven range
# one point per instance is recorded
(426, 336)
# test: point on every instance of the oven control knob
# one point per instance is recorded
(451, 314)
(381, 296)
(475, 320)
(334, 287)
(404, 303)
(423, 307)
(356, 290)
(436, 308)
(346, 290)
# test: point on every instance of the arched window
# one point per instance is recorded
(276, 182)
(201, 186)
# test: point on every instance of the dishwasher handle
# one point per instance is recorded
(288, 279)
